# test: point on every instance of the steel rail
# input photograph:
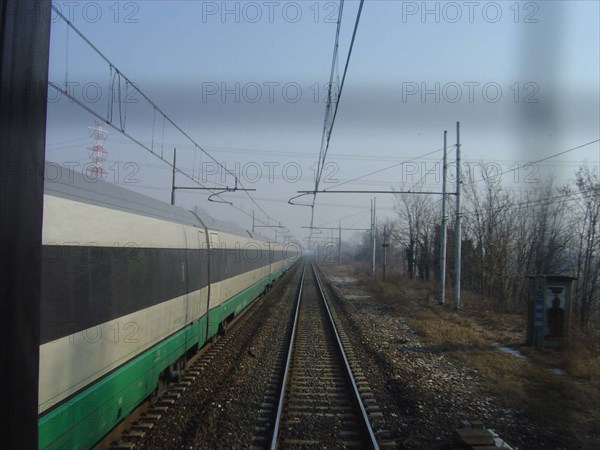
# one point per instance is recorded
(287, 367)
(363, 411)
(286, 376)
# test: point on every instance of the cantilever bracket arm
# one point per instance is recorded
(210, 197)
(298, 196)
(226, 189)
(220, 189)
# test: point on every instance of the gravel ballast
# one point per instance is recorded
(423, 392)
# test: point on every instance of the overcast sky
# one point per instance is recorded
(248, 81)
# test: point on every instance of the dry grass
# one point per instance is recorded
(570, 402)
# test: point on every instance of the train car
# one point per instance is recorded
(131, 288)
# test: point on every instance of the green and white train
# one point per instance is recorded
(131, 288)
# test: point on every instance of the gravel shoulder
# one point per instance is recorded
(423, 391)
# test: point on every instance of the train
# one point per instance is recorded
(132, 288)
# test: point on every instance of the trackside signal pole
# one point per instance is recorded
(443, 228)
(457, 229)
(385, 245)
(373, 223)
(340, 243)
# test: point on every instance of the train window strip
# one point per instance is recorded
(86, 286)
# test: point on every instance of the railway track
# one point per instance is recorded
(320, 403)
(132, 432)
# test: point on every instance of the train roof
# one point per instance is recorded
(63, 182)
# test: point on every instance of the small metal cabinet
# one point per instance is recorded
(549, 310)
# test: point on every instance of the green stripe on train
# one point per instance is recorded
(235, 304)
(85, 418)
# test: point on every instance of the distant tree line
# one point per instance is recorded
(506, 236)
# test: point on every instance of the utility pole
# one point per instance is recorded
(253, 221)
(457, 229)
(385, 245)
(373, 225)
(371, 230)
(340, 243)
(442, 295)
(173, 180)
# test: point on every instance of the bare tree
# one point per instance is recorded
(545, 230)
(488, 223)
(541, 238)
(587, 295)
(415, 231)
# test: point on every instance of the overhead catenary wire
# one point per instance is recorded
(535, 203)
(555, 155)
(342, 218)
(329, 124)
(328, 190)
(339, 95)
(540, 202)
(334, 63)
(114, 73)
(133, 139)
(472, 181)
(342, 156)
(545, 201)
(360, 218)
(384, 169)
